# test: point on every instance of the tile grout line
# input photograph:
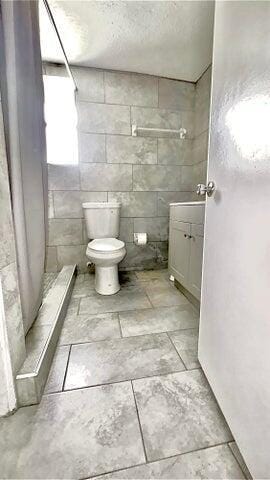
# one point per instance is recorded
(111, 311)
(174, 347)
(86, 387)
(67, 365)
(156, 460)
(99, 475)
(105, 148)
(145, 292)
(123, 337)
(79, 305)
(139, 421)
(179, 110)
(119, 324)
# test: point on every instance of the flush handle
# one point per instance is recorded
(205, 189)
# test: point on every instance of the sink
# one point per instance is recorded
(187, 203)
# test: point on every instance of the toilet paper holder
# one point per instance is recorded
(140, 238)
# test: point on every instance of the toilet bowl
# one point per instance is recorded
(102, 220)
(106, 253)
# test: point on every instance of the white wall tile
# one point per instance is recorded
(126, 229)
(140, 256)
(122, 149)
(50, 205)
(91, 148)
(157, 228)
(89, 83)
(136, 204)
(131, 89)
(72, 254)
(106, 177)
(156, 177)
(102, 118)
(155, 117)
(172, 151)
(68, 204)
(176, 94)
(165, 198)
(65, 231)
(51, 264)
(63, 177)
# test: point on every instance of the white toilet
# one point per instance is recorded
(105, 251)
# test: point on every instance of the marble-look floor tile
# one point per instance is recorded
(163, 293)
(72, 435)
(90, 278)
(178, 414)
(149, 275)
(118, 360)
(157, 320)
(129, 298)
(84, 277)
(138, 255)
(73, 307)
(211, 463)
(79, 279)
(186, 343)
(87, 282)
(83, 289)
(58, 369)
(89, 328)
(128, 279)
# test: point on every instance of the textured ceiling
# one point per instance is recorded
(164, 38)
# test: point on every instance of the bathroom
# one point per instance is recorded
(134, 138)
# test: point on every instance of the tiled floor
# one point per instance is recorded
(125, 397)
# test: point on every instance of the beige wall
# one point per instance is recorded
(145, 174)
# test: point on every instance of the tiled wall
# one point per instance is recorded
(12, 343)
(145, 174)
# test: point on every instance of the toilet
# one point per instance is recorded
(105, 250)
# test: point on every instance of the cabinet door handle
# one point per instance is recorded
(186, 236)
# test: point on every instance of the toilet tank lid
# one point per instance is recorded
(101, 205)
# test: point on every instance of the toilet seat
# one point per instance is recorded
(105, 245)
(106, 254)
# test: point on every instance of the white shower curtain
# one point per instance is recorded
(22, 85)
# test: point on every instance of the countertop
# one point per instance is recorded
(186, 203)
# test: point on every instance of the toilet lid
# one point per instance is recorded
(106, 245)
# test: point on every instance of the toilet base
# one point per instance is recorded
(106, 280)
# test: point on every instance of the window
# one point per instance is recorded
(61, 121)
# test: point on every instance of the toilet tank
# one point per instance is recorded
(102, 219)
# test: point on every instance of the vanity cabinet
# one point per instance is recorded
(186, 244)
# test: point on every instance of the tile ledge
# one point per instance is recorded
(31, 379)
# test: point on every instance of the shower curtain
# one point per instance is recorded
(22, 85)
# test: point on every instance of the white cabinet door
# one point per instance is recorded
(196, 256)
(179, 251)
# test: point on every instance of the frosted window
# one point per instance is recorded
(61, 121)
